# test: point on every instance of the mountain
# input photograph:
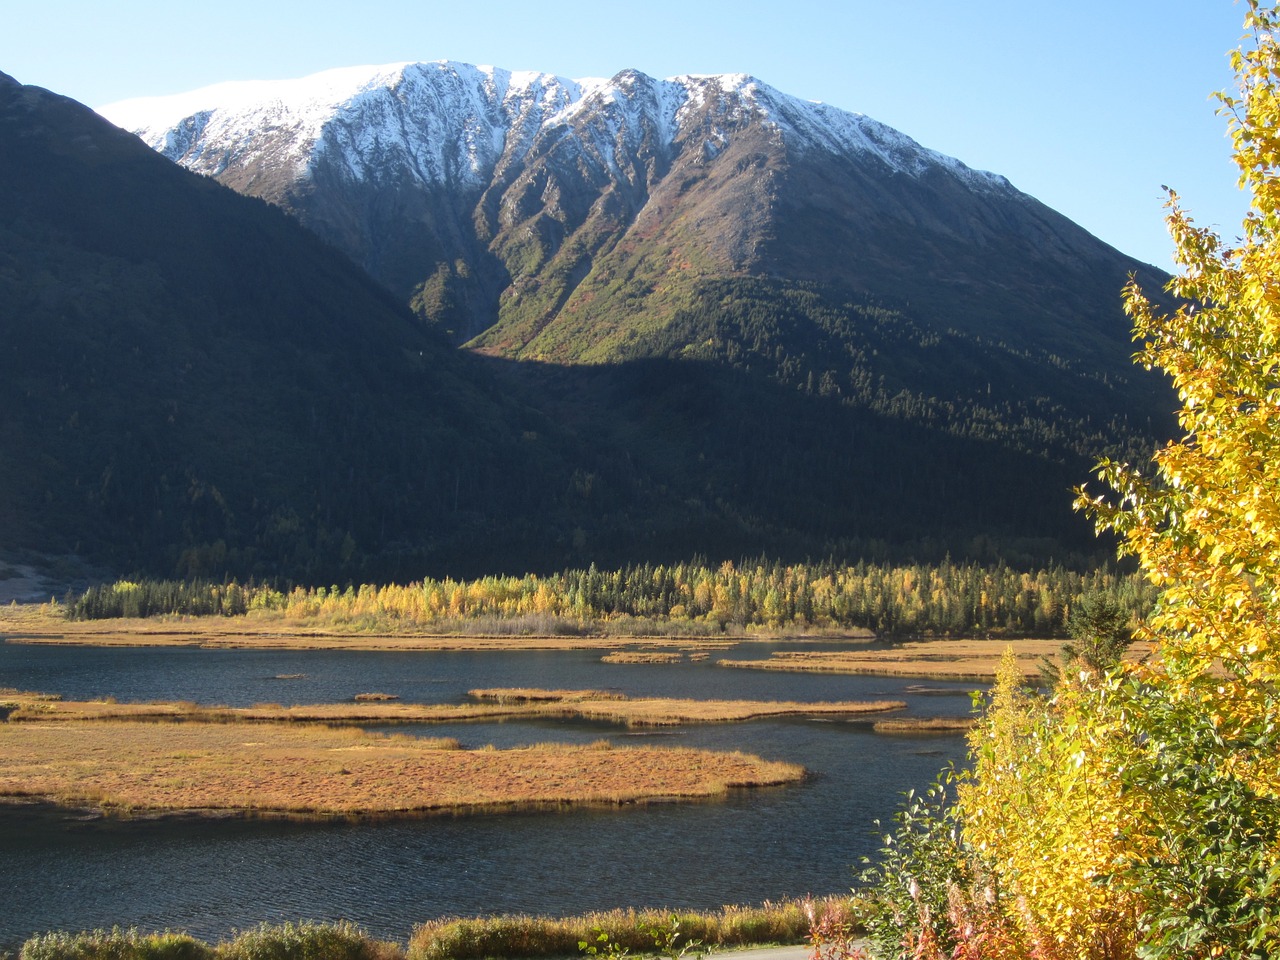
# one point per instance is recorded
(935, 326)
(700, 317)
(562, 219)
(191, 383)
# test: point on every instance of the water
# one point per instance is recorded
(211, 877)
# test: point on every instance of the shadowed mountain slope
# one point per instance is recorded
(191, 383)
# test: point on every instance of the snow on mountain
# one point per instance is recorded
(454, 122)
(497, 200)
(204, 128)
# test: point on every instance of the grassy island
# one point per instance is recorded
(940, 659)
(496, 704)
(974, 660)
(134, 758)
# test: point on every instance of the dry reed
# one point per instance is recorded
(516, 937)
(974, 660)
(124, 766)
(45, 624)
(643, 656)
(492, 705)
(916, 725)
(524, 936)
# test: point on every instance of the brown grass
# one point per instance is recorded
(492, 704)
(923, 725)
(936, 659)
(522, 935)
(538, 695)
(643, 656)
(662, 711)
(628, 932)
(130, 766)
(43, 623)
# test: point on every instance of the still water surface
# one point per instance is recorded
(211, 877)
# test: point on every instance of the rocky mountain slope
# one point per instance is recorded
(703, 219)
(564, 219)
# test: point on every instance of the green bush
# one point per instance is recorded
(306, 941)
(114, 944)
(634, 931)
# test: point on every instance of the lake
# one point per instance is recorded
(210, 877)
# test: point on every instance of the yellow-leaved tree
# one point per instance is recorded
(1136, 813)
(1046, 816)
(1205, 529)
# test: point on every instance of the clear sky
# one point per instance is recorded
(1090, 106)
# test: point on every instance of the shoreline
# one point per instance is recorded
(217, 632)
(956, 659)
(88, 814)
(765, 930)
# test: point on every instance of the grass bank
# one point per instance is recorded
(479, 938)
(509, 937)
(288, 941)
(948, 659)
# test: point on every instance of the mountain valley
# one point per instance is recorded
(697, 316)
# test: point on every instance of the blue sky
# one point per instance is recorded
(1089, 106)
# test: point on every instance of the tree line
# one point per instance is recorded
(944, 599)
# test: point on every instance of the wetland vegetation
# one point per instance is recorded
(178, 757)
(452, 704)
(316, 759)
(488, 704)
(470, 938)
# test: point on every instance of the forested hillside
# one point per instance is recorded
(839, 427)
(193, 385)
(190, 382)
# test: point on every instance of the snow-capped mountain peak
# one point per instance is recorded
(476, 192)
(449, 121)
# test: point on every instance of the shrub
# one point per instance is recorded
(909, 889)
(114, 944)
(1046, 811)
(306, 941)
(623, 930)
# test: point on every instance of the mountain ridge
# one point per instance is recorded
(305, 104)
(192, 383)
(674, 349)
(500, 203)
